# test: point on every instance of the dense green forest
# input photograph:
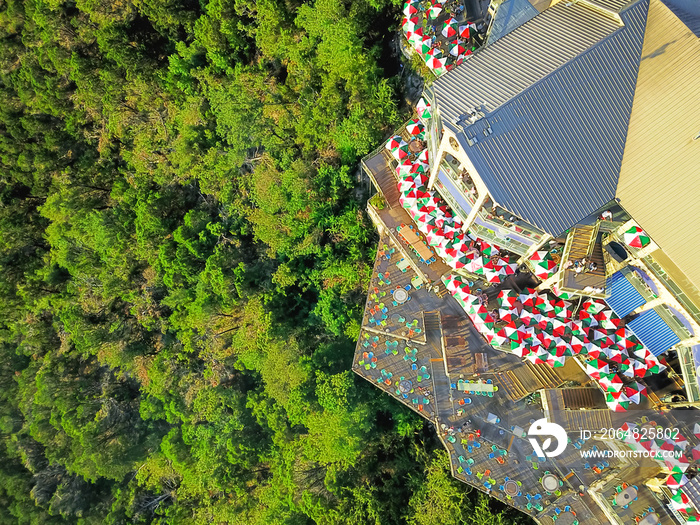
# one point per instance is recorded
(184, 257)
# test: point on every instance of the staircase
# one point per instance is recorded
(431, 320)
(584, 244)
(380, 171)
(584, 241)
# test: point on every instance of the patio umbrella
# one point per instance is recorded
(434, 11)
(449, 27)
(423, 109)
(635, 391)
(611, 382)
(414, 127)
(416, 37)
(677, 463)
(435, 63)
(423, 45)
(434, 53)
(676, 480)
(456, 48)
(595, 367)
(696, 430)
(636, 237)
(410, 8)
(507, 297)
(679, 500)
(401, 152)
(409, 23)
(464, 31)
(695, 453)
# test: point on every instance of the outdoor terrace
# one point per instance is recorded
(425, 353)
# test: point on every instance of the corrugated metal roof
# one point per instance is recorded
(624, 297)
(555, 152)
(651, 330)
(612, 5)
(510, 15)
(498, 72)
(659, 178)
(688, 11)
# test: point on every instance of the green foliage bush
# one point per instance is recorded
(184, 264)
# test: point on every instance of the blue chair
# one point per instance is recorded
(491, 456)
(407, 287)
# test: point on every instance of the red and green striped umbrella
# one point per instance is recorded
(410, 23)
(676, 480)
(424, 45)
(423, 109)
(410, 8)
(435, 63)
(434, 11)
(456, 48)
(636, 237)
(414, 127)
(449, 27)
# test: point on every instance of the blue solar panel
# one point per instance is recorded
(651, 330)
(624, 297)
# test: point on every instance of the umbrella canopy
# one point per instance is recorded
(394, 142)
(464, 31)
(636, 237)
(414, 127)
(611, 382)
(423, 45)
(456, 49)
(435, 63)
(410, 8)
(696, 453)
(423, 109)
(434, 11)
(401, 152)
(410, 23)
(449, 27)
(676, 480)
(595, 367)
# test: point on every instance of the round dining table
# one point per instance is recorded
(510, 487)
(400, 295)
(550, 482)
(626, 496)
(650, 519)
(405, 386)
(566, 518)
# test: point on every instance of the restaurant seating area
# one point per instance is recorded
(491, 453)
